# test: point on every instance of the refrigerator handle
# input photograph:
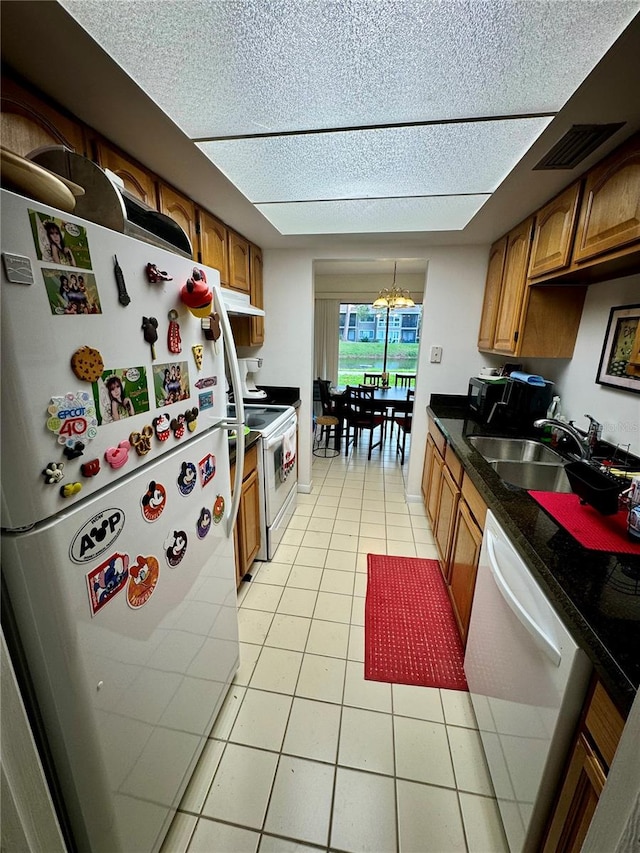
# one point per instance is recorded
(236, 385)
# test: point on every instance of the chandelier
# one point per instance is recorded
(393, 297)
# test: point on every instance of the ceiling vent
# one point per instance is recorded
(577, 143)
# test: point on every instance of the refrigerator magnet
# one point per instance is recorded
(218, 509)
(207, 468)
(203, 525)
(206, 382)
(187, 478)
(143, 579)
(97, 535)
(141, 441)
(87, 364)
(162, 426)
(153, 501)
(191, 417)
(175, 547)
(118, 456)
(107, 580)
(71, 293)
(178, 425)
(174, 341)
(205, 400)
(72, 417)
(198, 354)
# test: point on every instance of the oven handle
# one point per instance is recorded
(276, 439)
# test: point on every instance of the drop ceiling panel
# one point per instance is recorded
(410, 161)
(227, 67)
(390, 215)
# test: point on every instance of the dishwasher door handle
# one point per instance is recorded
(541, 639)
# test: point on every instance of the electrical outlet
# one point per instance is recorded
(436, 355)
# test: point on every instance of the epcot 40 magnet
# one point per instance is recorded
(72, 417)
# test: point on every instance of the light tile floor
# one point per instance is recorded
(307, 755)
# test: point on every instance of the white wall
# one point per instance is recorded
(617, 410)
(452, 305)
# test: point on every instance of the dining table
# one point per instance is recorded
(393, 399)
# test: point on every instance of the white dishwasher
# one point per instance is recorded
(527, 679)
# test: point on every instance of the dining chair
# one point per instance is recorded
(404, 421)
(405, 380)
(373, 379)
(328, 424)
(362, 412)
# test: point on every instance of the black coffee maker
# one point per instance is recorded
(521, 404)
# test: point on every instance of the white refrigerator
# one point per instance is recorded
(117, 559)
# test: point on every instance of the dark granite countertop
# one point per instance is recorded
(596, 593)
(250, 439)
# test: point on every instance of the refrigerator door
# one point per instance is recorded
(87, 369)
(126, 608)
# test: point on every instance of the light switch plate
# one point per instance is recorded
(436, 355)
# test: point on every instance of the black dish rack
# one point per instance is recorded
(599, 488)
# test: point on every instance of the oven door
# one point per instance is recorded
(277, 485)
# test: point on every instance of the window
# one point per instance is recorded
(363, 331)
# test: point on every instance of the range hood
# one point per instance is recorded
(238, 303)
(106, 202)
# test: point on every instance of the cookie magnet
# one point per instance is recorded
(178, 426)
(118, 456)
(218, 509)
(203, 524)
(107, 580)
(153, 501)
(175, 547)
(207, 468)
(150, 332)
(196, 294)
(174, 341)
(143, 579)
(191, 417)
(141, 441)
(87, 364)
(154, 275)
(187, 478)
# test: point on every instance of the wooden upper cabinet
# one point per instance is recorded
(239, 275)
(137, 180)
(514, 280)
(182, 210)
(492, 294)
(553, 233)
(29, 122)
(257, 296)
(610, 210)
(214, 248)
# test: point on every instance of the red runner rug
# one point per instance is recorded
(410, 632)
(593, 530)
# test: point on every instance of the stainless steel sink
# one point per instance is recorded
(513, 449)
(539, 476)
(523, 462)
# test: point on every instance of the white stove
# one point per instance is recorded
(277, 469)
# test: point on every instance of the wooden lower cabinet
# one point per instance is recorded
(598, 735)
(247, 528)
(463, 566)
(446, 515)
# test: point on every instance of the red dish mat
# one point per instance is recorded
(410, 633)
(593, 530)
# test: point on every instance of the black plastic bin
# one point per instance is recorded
(594, 487)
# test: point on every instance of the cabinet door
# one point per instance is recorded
(249, 520)
(463, 567)
(553, 233)
(214, 250)
(492, 294)
(514, 280)
(30, 122)
(426, 468)
(610, 210)
(577, 802)
(433, 491)
(137, 181)
(257, 296)
(182, 210)
(238, 263)
(447, 507)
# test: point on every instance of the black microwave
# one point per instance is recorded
(483, 395)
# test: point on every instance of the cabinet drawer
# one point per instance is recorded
(453, 464)
(438, 438)
(604, 723)
(474, 501)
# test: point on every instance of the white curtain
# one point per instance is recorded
(326, 334)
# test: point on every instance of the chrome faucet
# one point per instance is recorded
(585, 443)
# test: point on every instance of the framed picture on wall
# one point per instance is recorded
(620, 359)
